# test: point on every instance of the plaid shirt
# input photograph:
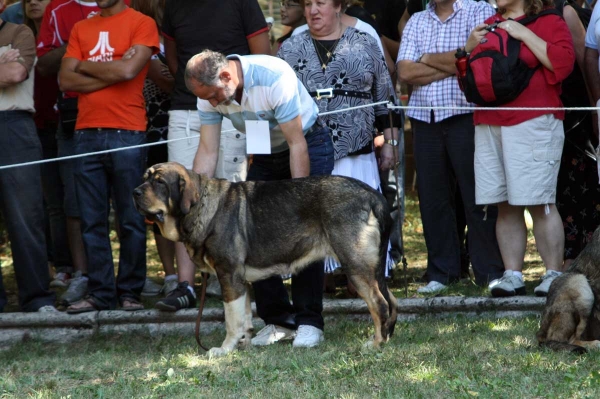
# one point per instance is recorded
(425, 33)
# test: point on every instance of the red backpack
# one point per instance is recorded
(497, 76)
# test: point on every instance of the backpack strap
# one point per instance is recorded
(547, 11)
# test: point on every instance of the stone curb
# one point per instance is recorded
(63, 327)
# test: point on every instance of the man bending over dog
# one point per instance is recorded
(263, 98)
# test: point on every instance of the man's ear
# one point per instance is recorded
(225, 76)
(188, 193)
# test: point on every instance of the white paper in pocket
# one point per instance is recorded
(258, 137)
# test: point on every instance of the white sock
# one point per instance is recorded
(190, 289)
(170, 277)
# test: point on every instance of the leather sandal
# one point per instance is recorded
(130, 304)
(83, 306)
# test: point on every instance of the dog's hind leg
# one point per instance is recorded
(368, 289)
(234, 297)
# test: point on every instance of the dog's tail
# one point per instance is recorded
(563, 347)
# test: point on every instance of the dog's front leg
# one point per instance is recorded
(235, 318)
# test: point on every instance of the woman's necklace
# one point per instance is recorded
(328, 51)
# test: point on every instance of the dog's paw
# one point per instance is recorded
(217, 352)
(371, 344)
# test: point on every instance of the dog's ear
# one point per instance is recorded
(188, 193)
(149, 172)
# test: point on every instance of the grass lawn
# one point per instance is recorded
(428, 358)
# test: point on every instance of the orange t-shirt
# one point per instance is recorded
(104, 39)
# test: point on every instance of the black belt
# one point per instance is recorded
(326, 93)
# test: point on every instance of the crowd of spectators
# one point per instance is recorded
(117, 73)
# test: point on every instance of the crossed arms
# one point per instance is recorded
(88, 76)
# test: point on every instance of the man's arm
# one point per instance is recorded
(117, 71)
(69, 80)
(171, 55)
(299, 162)
(416, 73)
(259, 44)
(440, 61)
(205, 161)
(49, 63)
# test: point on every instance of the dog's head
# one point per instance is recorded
(167, 193)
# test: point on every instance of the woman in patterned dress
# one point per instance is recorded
(331, 55)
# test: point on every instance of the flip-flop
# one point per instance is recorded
(132, 305)
(91, 306)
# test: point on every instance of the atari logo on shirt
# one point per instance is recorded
(104, 48)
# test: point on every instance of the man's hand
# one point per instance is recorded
(11, 55)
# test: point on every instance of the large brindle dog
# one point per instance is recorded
(571, 318)
(248, 231)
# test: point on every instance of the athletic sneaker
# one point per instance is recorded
(77, 289)
(179, 298)
(60, 280)
(151, 288)
(508, 285)
(547, 279)
(271, 334)
(432, 288)
(308, 337)
(169, 286)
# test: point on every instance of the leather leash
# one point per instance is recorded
(200, 309)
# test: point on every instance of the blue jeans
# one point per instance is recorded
(96, 177)
(21, 204)
(272, 300)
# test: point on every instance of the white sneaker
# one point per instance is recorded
(60, 280)
(432, 288)
(507, 285)
(150, 288)
(547, 279)
(271, 334)
(308, 337)
(47, 309)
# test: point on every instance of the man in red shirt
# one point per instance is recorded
(111, 115)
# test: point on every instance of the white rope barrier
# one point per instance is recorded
(388, 104)
(406, 107)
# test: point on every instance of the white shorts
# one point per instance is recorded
(519, 163)
(232, 162)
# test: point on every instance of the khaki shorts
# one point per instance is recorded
(232, 162)
(520, 163)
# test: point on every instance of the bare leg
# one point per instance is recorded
(549, 236)
(511, 233)
(185, 266)
(166, 252)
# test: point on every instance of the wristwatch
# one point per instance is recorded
(391, 142)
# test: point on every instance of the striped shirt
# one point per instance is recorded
(425, 33)
(272, 93)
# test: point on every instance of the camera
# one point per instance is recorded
(492, 27)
